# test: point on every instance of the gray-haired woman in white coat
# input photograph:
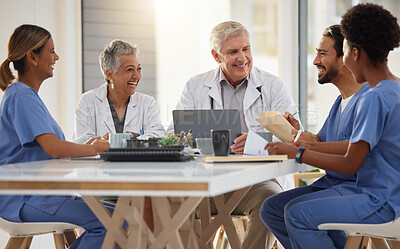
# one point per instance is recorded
(116, 107)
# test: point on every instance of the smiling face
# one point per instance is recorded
(47, 59)
(128, 75)
(235, 58)
(326, 61)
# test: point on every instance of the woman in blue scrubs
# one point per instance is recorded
(29, 133)
(370, 32)
(334, 135)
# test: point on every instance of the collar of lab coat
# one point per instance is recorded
(250, 96)
(101, 95)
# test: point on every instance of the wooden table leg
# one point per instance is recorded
(186, 231)
(171, 221)
(223, 218)
(113, 223)
(131, 210)
(140, 233)
(205, 218)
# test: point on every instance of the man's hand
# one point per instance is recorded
(294, 122)
(238, 144)
(278, 148)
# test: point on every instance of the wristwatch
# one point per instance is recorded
(299, 154)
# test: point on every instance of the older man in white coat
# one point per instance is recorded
(235, 84)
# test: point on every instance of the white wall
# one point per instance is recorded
(182, 54)
(63, 19)
(189, 51)
(60, 93)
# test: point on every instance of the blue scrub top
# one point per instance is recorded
(338, 127)
(23, 116)
(377, 122)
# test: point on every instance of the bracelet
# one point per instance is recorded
(299, 154)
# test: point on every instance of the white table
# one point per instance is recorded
(184, 183)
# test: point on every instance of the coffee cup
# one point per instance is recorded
(221, 142)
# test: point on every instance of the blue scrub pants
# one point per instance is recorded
(293, 216)
(73, 211)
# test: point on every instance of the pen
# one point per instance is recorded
(294, 114)
(297, 136)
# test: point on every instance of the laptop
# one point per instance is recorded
(201, 122)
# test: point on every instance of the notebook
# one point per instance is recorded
(201, 122)
(275, 123)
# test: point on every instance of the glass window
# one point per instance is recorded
(321, 14)
(173, 37)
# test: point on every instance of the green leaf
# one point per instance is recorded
(168, 140)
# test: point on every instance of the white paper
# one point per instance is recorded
(255, 145)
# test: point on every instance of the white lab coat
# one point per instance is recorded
(93, 116)
(264, 92)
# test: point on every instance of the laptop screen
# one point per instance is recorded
(201, 122)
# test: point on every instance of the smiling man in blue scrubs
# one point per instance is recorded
(337, 127)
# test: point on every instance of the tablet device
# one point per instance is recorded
(201, 122)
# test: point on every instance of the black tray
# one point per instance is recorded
(154, 154)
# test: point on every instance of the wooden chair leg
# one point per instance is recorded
(366, 242)
(380, 243)
(278, 245)
(240, 228)
(353, 242)
(27, 243)
(396, 244)
(69, 238)
(15, 242)
(220, 238)
(59, 240)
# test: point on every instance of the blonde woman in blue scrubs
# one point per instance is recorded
(29, 133)
(370, 32)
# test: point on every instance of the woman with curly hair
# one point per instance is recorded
(370, 32)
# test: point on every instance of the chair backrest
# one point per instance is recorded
(24, 229)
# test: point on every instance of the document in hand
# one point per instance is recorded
(276, 123)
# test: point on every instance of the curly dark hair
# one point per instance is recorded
(372, 28)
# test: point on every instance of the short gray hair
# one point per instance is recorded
(109, 59)
(223, 31)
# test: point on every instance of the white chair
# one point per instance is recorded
(21, 233)
(357, 233)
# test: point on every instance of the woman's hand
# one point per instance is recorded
(133, 134)
(100, 145)
(278, 148)
(301, 143)
(90, 141)
(106, 136)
